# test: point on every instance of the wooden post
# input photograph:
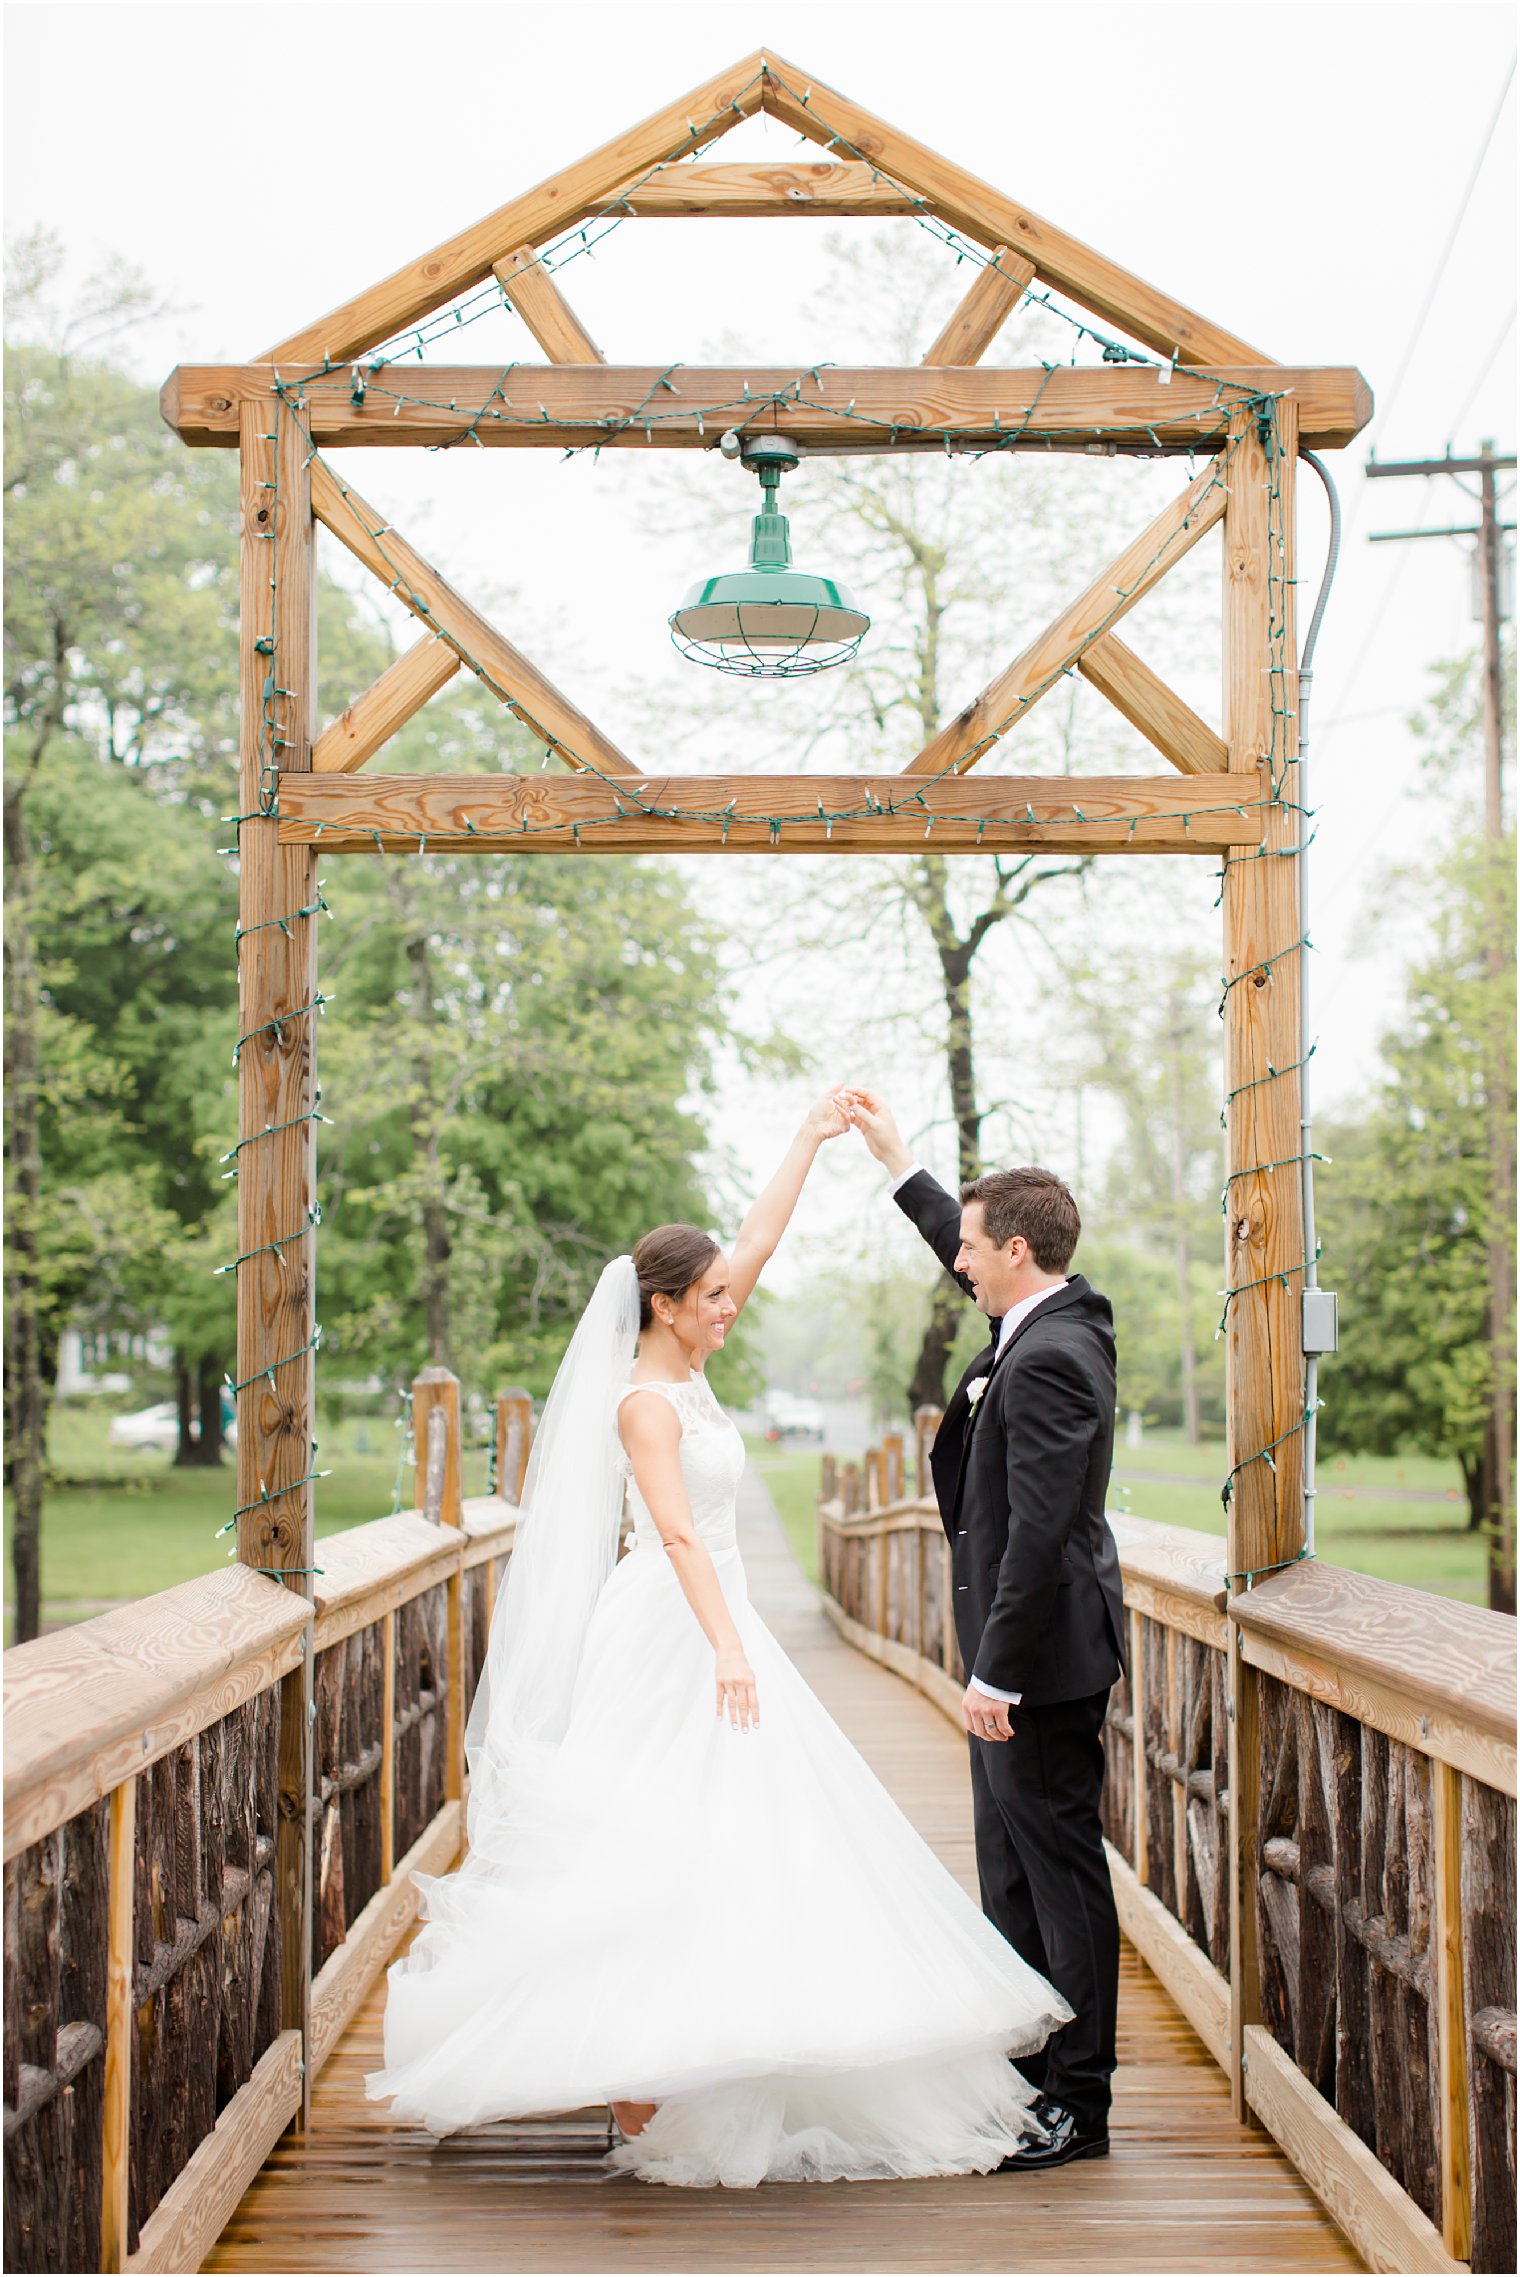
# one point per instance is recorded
(1454, 2111)
(388, 1747)
(1137, 1745)
(1264, 1244)
(436, 1392)
(514, 1439)
(1176, 1740)
(892, 1467)
(926, 1422)
(121, 2022)
(277, 1095)
(883, 1562)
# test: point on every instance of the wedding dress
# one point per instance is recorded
(739, 1926)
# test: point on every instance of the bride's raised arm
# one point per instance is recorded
(766, 1219)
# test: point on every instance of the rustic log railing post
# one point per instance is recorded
(277, 1097)
(1263, 1089)
(1453, 2098)
(514, 1440)
(435, 1395)
(892, 1466)
(926, 1421)
(387, 1795)
(121, 2023)
(1137, 1745)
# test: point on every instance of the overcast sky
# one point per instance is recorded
(1295, 172)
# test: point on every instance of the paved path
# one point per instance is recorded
(1185, 2188)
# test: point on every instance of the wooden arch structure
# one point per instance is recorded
(1188, 389)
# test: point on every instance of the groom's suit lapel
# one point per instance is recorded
(1075, 1287)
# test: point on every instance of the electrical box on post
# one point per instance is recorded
(1320, 1320)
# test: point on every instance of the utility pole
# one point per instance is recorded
(1499, 1451)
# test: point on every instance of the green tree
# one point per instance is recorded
(1404, 1203)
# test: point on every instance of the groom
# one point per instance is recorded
(1020, 1466)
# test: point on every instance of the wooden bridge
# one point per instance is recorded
(1318, 2030)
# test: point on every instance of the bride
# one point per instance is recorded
(719, 1923)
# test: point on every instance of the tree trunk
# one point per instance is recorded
(208, 1400)
(1475, 1480)
(25, 1391)
(185, 1455)
(927, 1388)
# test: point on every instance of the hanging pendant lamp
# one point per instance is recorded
(768, 621)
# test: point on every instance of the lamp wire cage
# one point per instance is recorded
(770, 620)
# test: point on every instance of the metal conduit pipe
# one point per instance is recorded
(1312, 1345)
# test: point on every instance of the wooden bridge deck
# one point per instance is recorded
(1184, 2189)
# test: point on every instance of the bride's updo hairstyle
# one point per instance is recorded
(667, 1262)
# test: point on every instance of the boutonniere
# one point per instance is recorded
(975, 1390)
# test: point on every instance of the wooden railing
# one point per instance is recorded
(1313, 1848)
(191, 1916)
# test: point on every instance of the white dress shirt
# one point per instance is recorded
(1013, 1319)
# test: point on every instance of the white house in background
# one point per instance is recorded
(84, 1356)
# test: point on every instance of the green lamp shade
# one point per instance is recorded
(769, 610)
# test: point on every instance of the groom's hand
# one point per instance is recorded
(983, 1717)
(873, 1120)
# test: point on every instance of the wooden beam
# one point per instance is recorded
(544, 309)
(451, 268)
(1382, 2220)
(1144, 561)
(1454, 2108)
(1099, 285)
(1086, 407)
(383, 710)
(501, 667)
(1155, 709)
(202, 2198)
(994, 295)
(759, 813)
(352, 1968)
(697, 192)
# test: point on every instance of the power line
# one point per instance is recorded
(1446, 251)
(1486, 367)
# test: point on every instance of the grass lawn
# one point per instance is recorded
(119, 1525)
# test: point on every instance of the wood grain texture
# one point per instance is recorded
(1188, 1975)
(277, 1021)
(1264, 1248)
(1039, 667)
(116, 2114)
(193, 2211)
(494, 661)
(992, 297)
(1120, 814)
(828, 407)
(87, 1706)
(514, 1442)
(361, 2193)
(554, 205)
(1143, 698)
(544, 309)
(1095, 283)
(694, 191)
(368, 1570)
(1454, 1665)
(369, 722)
(1383, 2224)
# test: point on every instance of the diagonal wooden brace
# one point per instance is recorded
(1156, 710)
(995, 294)
(383, 710)
(503, 668)
(1143, 563)
(544, 309)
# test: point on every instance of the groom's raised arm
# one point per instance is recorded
(919, 1196)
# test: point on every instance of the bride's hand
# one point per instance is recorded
(737, 1698)
(827, 1117)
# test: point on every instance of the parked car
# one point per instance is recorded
(155, 1430)
(788, 1417)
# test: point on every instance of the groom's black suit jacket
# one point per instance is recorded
(1021, 1478)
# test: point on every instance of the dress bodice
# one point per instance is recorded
(712, 1464)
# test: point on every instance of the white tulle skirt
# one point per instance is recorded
(740, 1927)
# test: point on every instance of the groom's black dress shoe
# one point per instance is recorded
(1062, 2141)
